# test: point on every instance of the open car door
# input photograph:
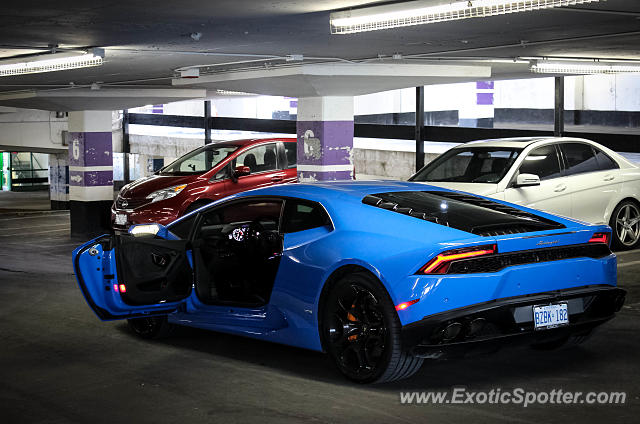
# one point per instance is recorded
(125, 276)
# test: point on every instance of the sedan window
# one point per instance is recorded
(469, 165)
(542, 162)
(604, 161)
(579, 158)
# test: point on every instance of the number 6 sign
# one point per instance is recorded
(75, 149)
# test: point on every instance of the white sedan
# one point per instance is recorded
(572, 177)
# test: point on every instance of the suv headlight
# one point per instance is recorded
(166, 193)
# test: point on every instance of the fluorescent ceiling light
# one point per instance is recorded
(582, 67)
(51, 62)
(430, 11)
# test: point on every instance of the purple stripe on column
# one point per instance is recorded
(98, 178)
(90, 178)
(325, 142)
(90, 149)
(484, 85)
(324, 176)
(484, 98)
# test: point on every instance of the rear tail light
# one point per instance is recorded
(440, 264)
(600, 238)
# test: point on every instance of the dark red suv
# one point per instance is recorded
(202, 176)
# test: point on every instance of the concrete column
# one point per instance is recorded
(90, 172)
(59, 181)
(480, 112)
(325, 138)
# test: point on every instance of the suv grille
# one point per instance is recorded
(497, 262)
(123, 203)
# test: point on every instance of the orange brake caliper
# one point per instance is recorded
(352, 318)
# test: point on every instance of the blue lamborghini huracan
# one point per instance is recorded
(380, 275)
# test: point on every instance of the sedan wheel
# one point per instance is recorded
(361, 331)
(626, 225)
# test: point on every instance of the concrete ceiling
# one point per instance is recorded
(337, 79)
(145, 42)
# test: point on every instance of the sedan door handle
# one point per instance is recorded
(609, 178)
(277, 178)
(560, 188)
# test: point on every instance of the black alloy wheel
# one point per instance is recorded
(361, 332)
(151, 327)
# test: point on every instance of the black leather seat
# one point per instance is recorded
(269, 160)
(251, 162)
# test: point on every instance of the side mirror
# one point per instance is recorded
(240, 171)
(527, 180)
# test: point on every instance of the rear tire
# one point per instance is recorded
(361, 332)
(151, 327)
(625, 223)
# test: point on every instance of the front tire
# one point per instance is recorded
(361, 332)
(625, 222)
(151, 327)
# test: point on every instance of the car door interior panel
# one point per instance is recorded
(152, 270)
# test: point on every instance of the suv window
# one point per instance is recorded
(300, 215)
(542, 162)
(260, 159)
(579, 158)
(291, 151)
(200, 160)
(604, 161)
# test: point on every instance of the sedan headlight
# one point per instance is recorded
(166, 193)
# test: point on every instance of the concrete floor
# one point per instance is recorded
(28, 201)
(60, 364)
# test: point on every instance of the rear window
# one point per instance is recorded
(461, 211)
(300, 215)
(604, 161)
(291, 151)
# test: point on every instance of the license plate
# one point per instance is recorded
(550, 316)
(121, 219)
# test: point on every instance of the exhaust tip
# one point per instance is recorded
(451, 331)
(476, 326)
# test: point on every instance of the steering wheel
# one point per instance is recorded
(255, 232)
